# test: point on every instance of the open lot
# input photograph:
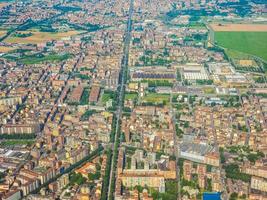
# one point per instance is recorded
(46, 58)
(107, 95)
(239, 27)
(131, 96)
(209, 90)
(39, 37)
(38, 58)
(156, 98)
(253, 43)
(16, 143)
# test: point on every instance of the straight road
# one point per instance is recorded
(122, 81)
(174, 121)
(246, 119)
(224, 194)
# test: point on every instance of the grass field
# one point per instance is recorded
(253, 43)
(209, 90)
(197, 25)
(16, 143)
(156, 98)
(237, 54)
(105, 98)
(47, 58)
(107, 95)
(39, 37)
(131, 96)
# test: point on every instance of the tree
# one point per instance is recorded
(222, 155)
(209, 185)
(2, 175)
(233, 171)
(95, 176)
(77, 178)
(233, 196)
(139, 188)
(98, 167)
(106, 177)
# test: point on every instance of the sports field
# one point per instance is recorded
(253, 43)
(39, 37)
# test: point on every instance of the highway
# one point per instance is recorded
(122, 81)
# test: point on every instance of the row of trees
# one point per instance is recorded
(17, 136)
(104, 192)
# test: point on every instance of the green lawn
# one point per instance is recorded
(157, 98)
(209, 90)
(85, 97)
(253, 43)
(131, 96)
(107, 95)
(16, 142)
(48, 58)
(105, 98)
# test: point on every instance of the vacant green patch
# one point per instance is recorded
(157, 98)
(85, 97)
(29, 60)
(158, 83)
(107, 95)
(237, 54)
(131, 96)
(7, 143)
(253, 43)
(209, 90)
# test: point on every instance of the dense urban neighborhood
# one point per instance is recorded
(133, 99)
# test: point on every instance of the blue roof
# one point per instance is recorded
(212, 196)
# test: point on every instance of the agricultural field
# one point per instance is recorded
(35, 36)
(5, 49)
(253, 43)
(239, 27)
(241, 40)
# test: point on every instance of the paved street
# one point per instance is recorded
(123, 77)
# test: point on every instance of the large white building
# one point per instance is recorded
(195, 72)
